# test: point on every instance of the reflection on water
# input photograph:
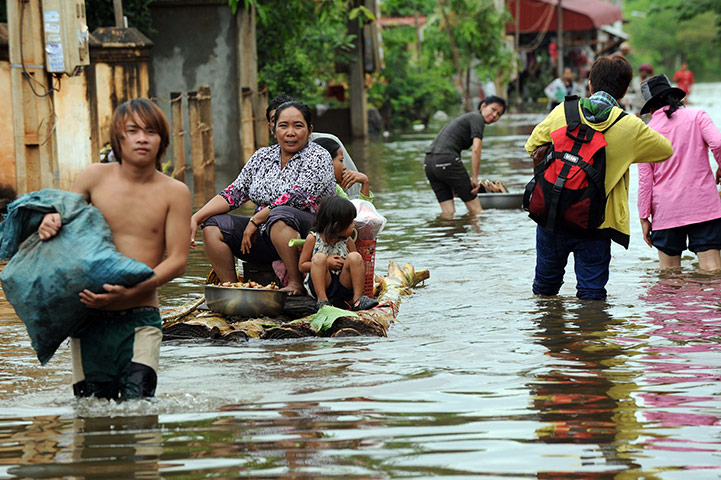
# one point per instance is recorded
(477, 379)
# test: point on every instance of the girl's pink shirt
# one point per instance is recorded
(682, 190)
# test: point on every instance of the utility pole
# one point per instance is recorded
(119, 18)
(517, 38)
(33, 99)
(356, 83)
(253, 132)
(559, 41)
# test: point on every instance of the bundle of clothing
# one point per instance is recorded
(42, 279)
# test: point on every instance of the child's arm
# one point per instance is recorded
(351, 245)
(350, 178)
(304, 262)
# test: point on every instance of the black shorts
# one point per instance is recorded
(701, 237)
(262, 251)
(448, 176)
(338, 295)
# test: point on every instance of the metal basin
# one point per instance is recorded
(244, 302)
(501, 200)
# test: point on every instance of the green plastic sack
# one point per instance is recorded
(42, 280)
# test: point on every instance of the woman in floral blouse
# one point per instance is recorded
(285, 181)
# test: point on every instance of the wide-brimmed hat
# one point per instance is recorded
(656, 87)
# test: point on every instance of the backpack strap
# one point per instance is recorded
(570, 108)
(585, 134)
(556, 196)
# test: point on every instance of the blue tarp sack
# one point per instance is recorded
(42, 280)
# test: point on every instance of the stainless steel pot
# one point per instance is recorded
(501, 200)
(244, 302)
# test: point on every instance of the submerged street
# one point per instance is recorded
(477, 379)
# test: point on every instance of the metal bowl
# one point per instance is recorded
(501, 200)
(244, 302)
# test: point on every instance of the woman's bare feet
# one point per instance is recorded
(293, 289)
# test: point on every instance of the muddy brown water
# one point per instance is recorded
(477, 379)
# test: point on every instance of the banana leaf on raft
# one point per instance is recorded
(187, 321)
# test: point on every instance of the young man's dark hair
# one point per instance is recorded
(612, 75)
(147, 112)
(275, 103)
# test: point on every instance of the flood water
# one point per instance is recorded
(477, 379)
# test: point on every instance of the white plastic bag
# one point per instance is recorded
(368, 222)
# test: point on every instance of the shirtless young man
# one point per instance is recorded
(116, 352)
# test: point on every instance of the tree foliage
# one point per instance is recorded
(100, 13)
(300, 42)
(412, 86)
(419, 75)
(689, 10)
(666, 32)
(469, 34)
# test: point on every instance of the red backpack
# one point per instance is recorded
(568, 189)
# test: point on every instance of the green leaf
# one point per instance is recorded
(327, 315)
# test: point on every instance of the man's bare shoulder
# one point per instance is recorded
(170, 185)
(93, 176)
(96, 170)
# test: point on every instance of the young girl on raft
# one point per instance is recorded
(337, 271)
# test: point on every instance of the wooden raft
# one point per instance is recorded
(296, 320)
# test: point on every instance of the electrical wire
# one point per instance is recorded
(26, 74)
(545, 21)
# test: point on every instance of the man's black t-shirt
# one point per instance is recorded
(458, 134)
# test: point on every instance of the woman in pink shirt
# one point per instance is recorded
(678, 200)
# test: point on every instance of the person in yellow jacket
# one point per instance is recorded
(629, 141)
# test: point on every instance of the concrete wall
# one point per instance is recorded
(82, 107)
(115, 84)
(73, 132)
(195, 44)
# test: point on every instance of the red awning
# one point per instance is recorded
(540, 15)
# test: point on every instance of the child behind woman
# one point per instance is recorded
(337, 271)
(344, 177)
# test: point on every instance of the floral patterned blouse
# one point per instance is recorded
(307, 177)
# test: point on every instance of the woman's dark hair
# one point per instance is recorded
(302, 108)
(329, 144)
(275, 103)
(493, 99)
(334, 215)
(611, 75)
(670, 99)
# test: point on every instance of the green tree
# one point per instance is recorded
(693, 38)
(469, 34)
(420, 63)
(301, 43)
(100, 13)
(412, 86)
(689, 10)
